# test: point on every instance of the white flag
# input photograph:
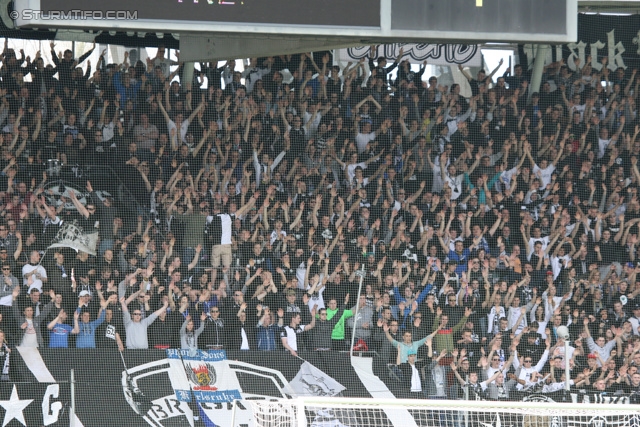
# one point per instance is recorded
(311, 381)
(71, 235)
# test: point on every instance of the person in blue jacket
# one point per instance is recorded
(87, 328)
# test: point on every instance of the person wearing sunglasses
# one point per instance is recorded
(9, 282)
(136, 327)
(527, 365)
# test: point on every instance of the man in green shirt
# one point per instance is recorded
(337, 335)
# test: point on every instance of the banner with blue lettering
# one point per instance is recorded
(203, 375)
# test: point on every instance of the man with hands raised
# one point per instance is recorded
(444, 336)
(289, 335)
(85, 328)
(407, 346)
(136, 328)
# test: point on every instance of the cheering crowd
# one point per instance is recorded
(481, 225)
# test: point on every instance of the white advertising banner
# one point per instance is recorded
(416, 53)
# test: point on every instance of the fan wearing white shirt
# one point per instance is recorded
(179, 127)
(635, 320)
(545, 170)
(365, 136)
(603, 139)
(455, 181)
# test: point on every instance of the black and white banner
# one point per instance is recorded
(34, 404)
(416, 53)
(158, 388)
(613, 36)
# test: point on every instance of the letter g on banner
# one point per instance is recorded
(50, 412)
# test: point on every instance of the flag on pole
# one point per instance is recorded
(72, 235)
(311, 381)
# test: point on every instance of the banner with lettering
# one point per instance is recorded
(167, 388)
(613, 36)
(204, 375)
(416, 53)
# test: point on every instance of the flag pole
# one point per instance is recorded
(360, 273)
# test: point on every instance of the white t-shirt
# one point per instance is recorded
(37, 283)
(545, 174)
(351, 170)
(183, 129)
(454, 183)
(362, 139)
(30, 338)
(316, 299)
(164, 64)
(533, 240)
(602, 146)
(416, 384)
(292, 335)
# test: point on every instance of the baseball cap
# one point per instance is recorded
(591, 356)
(412, 352)
(84, 294)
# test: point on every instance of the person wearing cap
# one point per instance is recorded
(87, 303)
(592, 365)
(85, 327)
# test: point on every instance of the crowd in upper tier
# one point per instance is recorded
(481, 224)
